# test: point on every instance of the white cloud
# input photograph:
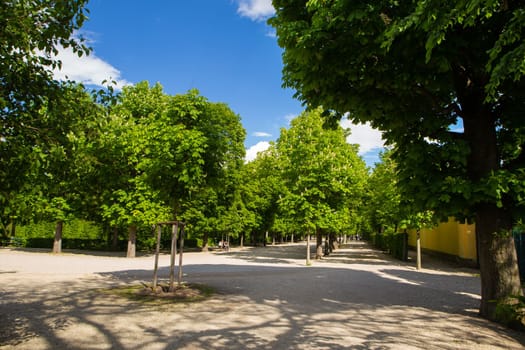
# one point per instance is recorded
(90, 70)
(290, 117)
(368, 138)
(256, 10)
(261, 134)
(251, 153)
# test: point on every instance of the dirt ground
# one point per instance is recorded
(266, 298)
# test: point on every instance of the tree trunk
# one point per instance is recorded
(157, 250)
(497, 260)
(57, 244)
(418, 250)
(13, 228)
(181, 252)
(241, 243)
(308, 263)
(205, 242)
(497, 254)
(173, 253)
(132, 241)
(319, 245)
(114, 241)
(334, 245)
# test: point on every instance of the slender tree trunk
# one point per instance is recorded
(132, 241)
(418, 250)
(57, 244)
(13, 227)
(157, 250)
(319, 245)
(114, 241)
(242, 240)
(327, 245)
(205, 242)
(334, 245)
(173, 253)
(308, 262)
(181, 252)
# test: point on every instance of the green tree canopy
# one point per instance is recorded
(30, 35)
(414, 69)
(323, 174)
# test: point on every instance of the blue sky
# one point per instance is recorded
(223, 48)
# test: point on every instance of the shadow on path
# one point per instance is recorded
(358, 303)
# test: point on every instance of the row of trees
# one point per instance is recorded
(310, 181)
(130, 160)
(414, 69)
(144, 158)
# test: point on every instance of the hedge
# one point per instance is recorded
(395, 244)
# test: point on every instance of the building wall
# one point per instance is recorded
(452, 238)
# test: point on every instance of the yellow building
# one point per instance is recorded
(451, 238)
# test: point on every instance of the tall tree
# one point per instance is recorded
(414, 69)
(383, 210)
(31, 34)
(323, 174)
(171, 158)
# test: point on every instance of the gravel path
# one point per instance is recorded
(266, 298)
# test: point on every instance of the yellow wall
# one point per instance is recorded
(450, 237)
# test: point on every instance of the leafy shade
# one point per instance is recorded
(444, 81)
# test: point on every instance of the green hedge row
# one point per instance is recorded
(76, 228)
(395, 244)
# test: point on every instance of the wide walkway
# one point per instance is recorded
(358, 298)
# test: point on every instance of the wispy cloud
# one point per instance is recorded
(261, 134)
(290, 117)
(257, 10)
(89, 70)
(368, 138)
(251, 153)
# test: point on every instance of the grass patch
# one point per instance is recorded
(185, 293)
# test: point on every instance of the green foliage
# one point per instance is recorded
(322, 174)
(169, 157)
(395, 244)
(383, 200)
(511, 312)
(444, 81)
(30, 100)
(76, 228)
(414, 69)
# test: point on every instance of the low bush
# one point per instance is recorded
(395, 244)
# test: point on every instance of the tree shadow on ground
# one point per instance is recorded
(356, 253)
(258, 307)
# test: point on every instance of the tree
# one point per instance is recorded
(383, 210)
(32, 32)
(262, 188)
(414, 69)
(323, 174)
(169, 158)
(213, 202)
(127, 152)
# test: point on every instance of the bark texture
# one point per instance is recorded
(132, 241)
(57, 243)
